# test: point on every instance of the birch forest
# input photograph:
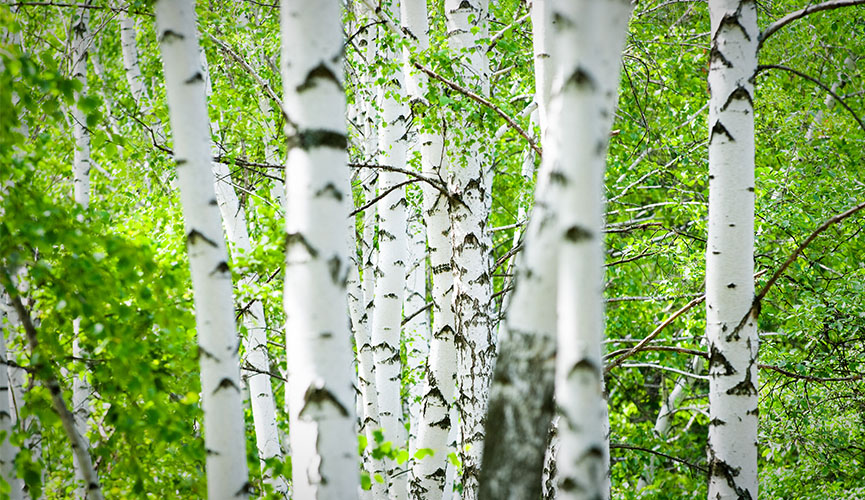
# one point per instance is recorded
(432, 249)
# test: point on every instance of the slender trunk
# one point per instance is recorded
(589, 38)
(414, 23)
(255, 339)
(731, 329)
(81, 390)
(208, 258)
(8, 451)
(391, 270)
(323, 441)
(80, 446)
(470, 181)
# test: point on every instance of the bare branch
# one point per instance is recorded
(799, 14)
(817, 83)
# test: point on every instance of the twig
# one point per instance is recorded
(642, 344)
(616, 446)
(815, 82)
(799, 14)
(480, 99)
(793, 256)
(380, 196)
(412, 315)
(663, 348)
(810, 378)
(81, 6)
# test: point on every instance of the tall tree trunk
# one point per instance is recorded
(467, 25)
(81, 390)
(391, 270)
(589, 37)
(255, 340)
(208, 258)
(323, 440)
(8, 451)
(731, 325)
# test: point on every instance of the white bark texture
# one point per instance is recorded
(439, 388)
(731, 325)
(255, 341)
(8, 451)
(391, 270)
(589, 36)
(414, 23)
(208, 258)
(81, 390)
(129, 48)
(467, 24)
(541, 26)
(320, 395)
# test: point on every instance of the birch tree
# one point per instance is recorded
(589, 37)
(392, 257)
(317, 336)
(470, 182)
(208, 257)
(731, 325)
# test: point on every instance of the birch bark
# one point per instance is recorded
(8, 451)
(589, 36)
(731, 326)
(323, 440)
(391, 270)
(466, 22)
(254, 323)
(81, 390)
(208, 258)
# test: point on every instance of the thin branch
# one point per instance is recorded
(642, 344)
(81, 6)
(480, 99)
(254, 74)
(665, 368)
(799, 14)
(619, 446)
(412, 315)
(662, 348)
(793, 256)
(819, 84)
(810, 378)
(439, 185)
(380, 196)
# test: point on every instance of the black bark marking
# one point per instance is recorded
(319, 138)
(293, 239)
(194, 235)
(738, 94)
(226, 383)
(333, 265)
(181, 161)
(711, 177)
(732, 21)
(743, 388)
(331, 190)
(582, 79)
(719, 128)
(576, 234)
(318, 396)
(717, 359)
(751, 189)
(167, 35)
(725, 471)
(197, 77)
(716, 55)
(210, 451)
(93, 486)
(220, 268)
(244, 490)
(584, 365)
(319, 72)
(717, 422)
(212, 202)
(204, 352)
(557, 177)
(731, 285)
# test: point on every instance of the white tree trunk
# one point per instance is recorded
(541, 27)
(129, 48)
(320, 395)
(731, 328)
(81, 390)
(440, 378)
(589, 37)
(467, 24)
(8, 451)
(391, 270)
(208, 258)
(255, 341)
